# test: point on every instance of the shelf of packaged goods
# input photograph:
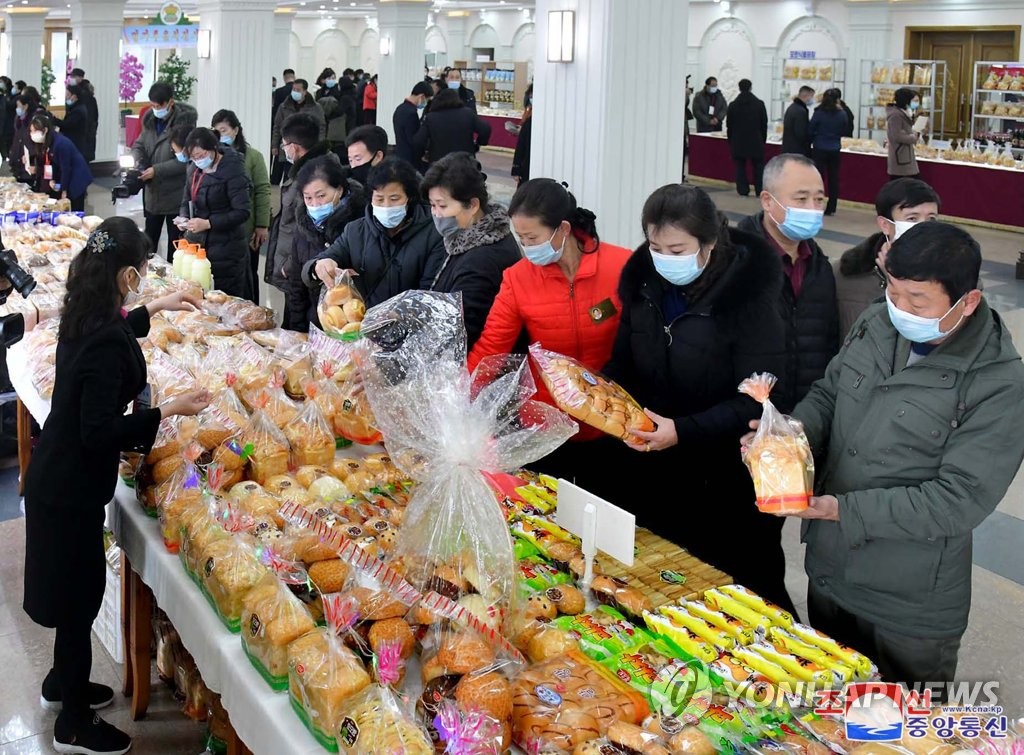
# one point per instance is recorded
(998, 118)
(1017, 92)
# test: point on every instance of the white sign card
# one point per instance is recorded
(601, 525)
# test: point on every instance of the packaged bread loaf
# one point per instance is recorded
(229, 570)
(272, 617)
(184, 491)
(377, 720)
(265, 444)
(341, 308)
(779, 456)
(294, 357)
(589, 397)
(309, 436)
(354, 419)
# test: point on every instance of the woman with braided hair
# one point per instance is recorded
(100, 369)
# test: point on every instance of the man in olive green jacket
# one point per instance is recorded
(917, 425)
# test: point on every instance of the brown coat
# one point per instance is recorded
(902, 161)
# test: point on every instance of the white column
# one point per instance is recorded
(283, 42)
(870, 29)
(24, 39)
(237, 74)
(405, 24)
(98, 31)
(610, 123)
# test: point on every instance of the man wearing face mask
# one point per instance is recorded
(453, 80)
(393, 248)
(367, 147)
(918, 419)
(163, 174)
(792, 210)
(796, 138)
(299, 101)
(709, 107)
(406, 120)
(300, 145)
(860, 276)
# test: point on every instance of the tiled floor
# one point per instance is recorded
(991, 648)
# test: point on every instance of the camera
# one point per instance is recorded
(131, 182)
(12, 327)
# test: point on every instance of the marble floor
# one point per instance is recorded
(991, 649)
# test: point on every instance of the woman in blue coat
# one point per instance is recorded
(55, 165)
(829, 125)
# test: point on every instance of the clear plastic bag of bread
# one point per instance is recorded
(779, 457)
(273, 400)
(263, 446)
(168, 378)
(172, 437)
(272, 617)
(230, 569)
(183, 492)
(569, 700)
(323, 673)
(341, 308)
(378, 720)
(445, 428)
(310, 437)
(224, 418)
(354, 418)
(588, 396)
(294, 357)
(328, 395)
(333, 351)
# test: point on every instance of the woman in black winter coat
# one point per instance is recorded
(330, 201)
(699, 316)
(100, 370)
(26, 107)
(477, 237)
(216, 201)
(393, 248)
(449, 127)
(77, 124)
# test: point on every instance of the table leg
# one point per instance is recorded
(24, 444)
(141, 636)
(128, 687)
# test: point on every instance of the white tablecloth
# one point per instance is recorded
(21, 379)
(262, 718)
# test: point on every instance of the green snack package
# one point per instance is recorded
(675, 685)
(603, 633)
(524, 549)
(535, 575)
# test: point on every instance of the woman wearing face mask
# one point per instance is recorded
(26, 106)
(449, 127)
(699, 316)
(6, 116)
(564, 295)
(216, 201)
(77, 123)
(227, 125)
(330, 200)
(900, 115)
(100, 370)
(370, 101)
(393, 248)
(476, 235)
(55, 165)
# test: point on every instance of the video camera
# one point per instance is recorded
(131, 182)
(12, 327)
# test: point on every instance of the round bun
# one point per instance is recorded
(489, 692)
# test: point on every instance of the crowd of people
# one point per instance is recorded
(817, 135)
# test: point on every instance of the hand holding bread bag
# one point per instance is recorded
(341, 308)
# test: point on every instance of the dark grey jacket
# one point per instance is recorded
(702, 104)
(796, 138)
(918, 457)
(162, 195)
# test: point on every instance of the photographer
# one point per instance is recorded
(164, 176)
(55, 165)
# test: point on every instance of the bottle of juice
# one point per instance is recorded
(179, 256)
(201, 271)
(187, 259)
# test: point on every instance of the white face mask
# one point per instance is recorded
(901, 226)
(132, 294)
(37, 136)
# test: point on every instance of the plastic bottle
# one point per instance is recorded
(201, 271)
(179, 256)
(188, 257)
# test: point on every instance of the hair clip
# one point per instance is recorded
(99, 242)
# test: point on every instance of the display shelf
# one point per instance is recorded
(503, 83)
(881, 78)
(997, 111)
(792, 73)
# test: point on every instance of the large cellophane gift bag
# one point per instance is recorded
(272, 617)
(589, 396)
(323, 673)
(445, 429)
(779, 456)
(378, 720)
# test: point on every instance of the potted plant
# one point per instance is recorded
(130, 82)
(174, 71)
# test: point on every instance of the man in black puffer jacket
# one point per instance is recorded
(449, 127)
(791, 216)
(393, 248)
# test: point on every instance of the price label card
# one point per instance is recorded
(582, 513)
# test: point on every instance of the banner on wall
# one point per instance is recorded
(161, 36)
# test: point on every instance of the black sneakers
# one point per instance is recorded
(94, 738)
(100, 696)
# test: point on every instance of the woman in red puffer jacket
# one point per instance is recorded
(564, 295)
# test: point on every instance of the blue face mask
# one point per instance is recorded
(389, 217)
(227, 139)
(20, 111)
(161, 113)
(713, 90)
(331, 83)
(915, 105)
(181, 157)
(454, 84)
(203, 162)
(421, 106)
(917, 329)
(297, 96)
(800, 224)
(69, 103)
(320, 213)
(544, 253)
(678, 269)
